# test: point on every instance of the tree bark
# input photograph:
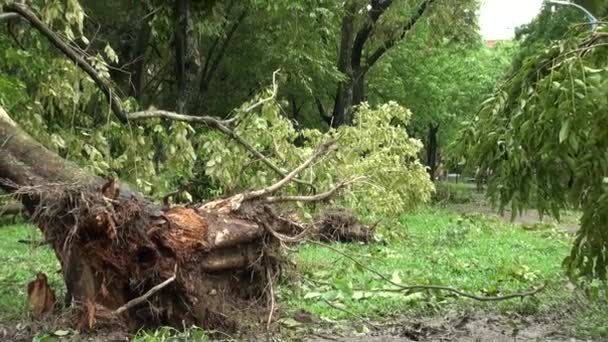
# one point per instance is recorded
(114, 246)
(344, 93)
(138, 55)
(352, 91)
(431, 150)
(187, 57)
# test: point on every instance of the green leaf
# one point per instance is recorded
(61, 333)
(563, 133)
(311, 295)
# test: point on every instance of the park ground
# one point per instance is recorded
(336, 294)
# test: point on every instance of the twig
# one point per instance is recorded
(6, 141)
(136, 301)
(322, 150)
(366, 321)
(401, 288)
(314, 198)
(275, 88)
(28, 15)
(272, 303)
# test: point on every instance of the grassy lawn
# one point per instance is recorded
(434, 246)
(472, 254)
(19, 263)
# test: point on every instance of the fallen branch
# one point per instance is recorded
(220, 126)
(136, 301)
(315, 198)
(28, 15)
(368, 322)
(8, 16)
(321, 151)
(402, 288)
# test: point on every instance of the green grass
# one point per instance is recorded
(469, 253)
(19, 263)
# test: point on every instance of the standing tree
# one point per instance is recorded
(370, 29)
(443, 88)
(541, 140)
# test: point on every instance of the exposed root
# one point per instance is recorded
(119, 254)
(342, 225)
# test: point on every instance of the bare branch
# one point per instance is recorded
(407, 27)
(403, 288)
(28, 15)
(136, 301)
(322, 150)
(314, 198)
(275, 88)
(165, 114)
(8, 16)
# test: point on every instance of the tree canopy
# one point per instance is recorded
(542, 139)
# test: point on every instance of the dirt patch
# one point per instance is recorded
(480, 205)
(464, 328)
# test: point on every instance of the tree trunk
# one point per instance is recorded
(431, 150)
(187, 57)
(344, 93)
(138, 54)
(114, 246)
(358, 87)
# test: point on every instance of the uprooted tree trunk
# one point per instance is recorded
(127, 260)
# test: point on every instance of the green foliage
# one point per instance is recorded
(376, 146)
(55, 102)
(543, 140)
(444, 86)
(166, 334)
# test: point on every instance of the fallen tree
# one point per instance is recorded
(114, 246)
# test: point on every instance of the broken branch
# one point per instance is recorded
(314, 198)
(322, 150)
(28, 15)
(136, 301)
(402, 288)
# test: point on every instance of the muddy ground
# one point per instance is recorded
(479, 205)
(463, 328)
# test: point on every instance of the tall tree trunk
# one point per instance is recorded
(431, 150)
(187, 56)
(359, 95)
(138, 54)
(344, 93)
